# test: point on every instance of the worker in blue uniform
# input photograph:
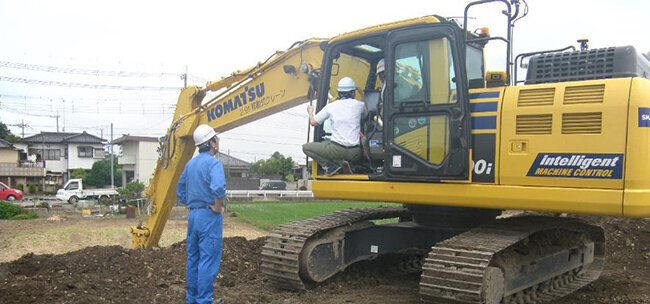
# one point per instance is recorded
(202, 189)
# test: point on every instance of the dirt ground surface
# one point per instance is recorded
(70, 233)
(114, 274)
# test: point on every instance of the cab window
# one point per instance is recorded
(72, 186)
(474, 66)
(421, 79)
(424, 74)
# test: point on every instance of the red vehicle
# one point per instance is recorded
(9, 194)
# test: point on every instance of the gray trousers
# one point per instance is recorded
(326, 152)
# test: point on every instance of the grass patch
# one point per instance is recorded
(268, 216)
(13, 212)
(25, 216)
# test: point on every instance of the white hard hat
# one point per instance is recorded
(346, 84)
(202, 134)
(380, 66)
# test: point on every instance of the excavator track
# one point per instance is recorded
(281, 253)
(469, 268)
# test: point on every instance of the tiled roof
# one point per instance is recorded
(232, 162)
(127, 137)
(5, 144)
(63, 137)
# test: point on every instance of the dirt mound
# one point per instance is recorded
(117, 275)
(625, 278)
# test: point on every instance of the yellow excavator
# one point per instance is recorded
(456, 145)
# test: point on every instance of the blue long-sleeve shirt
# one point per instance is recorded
(202, 181)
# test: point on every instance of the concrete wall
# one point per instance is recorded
(8, 156)
(146, 161)
(129, 152)
(235, 183)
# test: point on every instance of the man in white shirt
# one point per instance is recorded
(345, 114)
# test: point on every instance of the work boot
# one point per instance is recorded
(346, 168)
(333, 169)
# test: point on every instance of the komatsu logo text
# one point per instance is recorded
(250, 94)
(575, 165)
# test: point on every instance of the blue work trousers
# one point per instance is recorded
(204, 243)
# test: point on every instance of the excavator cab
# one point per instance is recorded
(419, 128)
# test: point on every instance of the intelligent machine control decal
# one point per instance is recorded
(577, 165)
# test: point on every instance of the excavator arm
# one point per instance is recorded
(284, 80)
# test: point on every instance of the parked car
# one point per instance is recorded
(74, 190)
(274, 185)
(9, 194)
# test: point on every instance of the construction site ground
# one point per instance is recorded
(88, 261)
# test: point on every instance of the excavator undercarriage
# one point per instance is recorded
(526, 259)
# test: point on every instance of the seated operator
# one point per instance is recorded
(381, 76)
(381, 67)
(345, 114)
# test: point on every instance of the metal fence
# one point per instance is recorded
(268, 193)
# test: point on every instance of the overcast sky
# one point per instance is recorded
(157, 39)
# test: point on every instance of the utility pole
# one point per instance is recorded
(43, 157)
(184, 76)
(111, 152)
(57, 121)
(22, 126)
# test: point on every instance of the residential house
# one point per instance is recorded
(140, 154)
(63, 153)
(138, 158)
(237, 173)
(14, 172)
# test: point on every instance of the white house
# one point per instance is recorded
(63, 152)
(138, 158)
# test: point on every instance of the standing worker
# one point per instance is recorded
(202, 188)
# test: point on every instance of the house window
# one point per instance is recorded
(85, 151)
(46, 154)
(52, 154)
(99, 153)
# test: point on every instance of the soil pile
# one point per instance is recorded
(117, 275)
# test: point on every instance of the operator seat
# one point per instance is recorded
(371, 141)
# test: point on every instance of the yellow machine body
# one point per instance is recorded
(598, 119)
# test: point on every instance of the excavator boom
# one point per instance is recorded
(281, 82)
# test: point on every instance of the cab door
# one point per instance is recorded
(427, 126)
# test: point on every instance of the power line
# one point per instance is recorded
(54, 69)
(261, 141)
(86, 85)
(54, 98)
(40, 110)
(88, 105)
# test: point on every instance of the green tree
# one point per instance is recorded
(277, 164)
(6, 134)
(100, 174)
(80, 173)
(132, 190)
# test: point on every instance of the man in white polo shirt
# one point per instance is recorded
(345, 114)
